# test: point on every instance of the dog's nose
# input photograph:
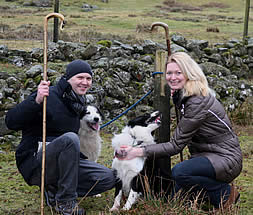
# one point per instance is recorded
(96, 119)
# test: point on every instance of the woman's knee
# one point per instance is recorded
(177, 171)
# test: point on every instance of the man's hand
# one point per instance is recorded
(43, 90)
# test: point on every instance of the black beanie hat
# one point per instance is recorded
(76, 67)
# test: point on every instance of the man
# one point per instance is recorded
(68, 173)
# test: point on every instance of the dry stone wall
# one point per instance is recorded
(123, 72)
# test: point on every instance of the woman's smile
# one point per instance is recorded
(174, 77)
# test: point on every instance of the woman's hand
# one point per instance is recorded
(43, 90)
(128, 153)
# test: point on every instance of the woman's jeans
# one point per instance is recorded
(70, 175)
(198, 175)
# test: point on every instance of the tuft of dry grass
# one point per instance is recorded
(243, 115)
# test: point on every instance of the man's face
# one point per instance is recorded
(81, 83)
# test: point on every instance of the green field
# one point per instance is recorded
(126, 18)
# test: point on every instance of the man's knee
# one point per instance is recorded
(108, 179)
(72, 139)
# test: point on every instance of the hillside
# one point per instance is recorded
(21, 26)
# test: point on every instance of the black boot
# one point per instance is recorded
(50, 191)
(50, 198)
(69, 208)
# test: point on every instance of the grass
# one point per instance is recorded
(245, 181)
(16, 197)
(121, 17)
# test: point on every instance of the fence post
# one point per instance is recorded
(162, 103)
(56, 22)
(162, 97)
(246, 20)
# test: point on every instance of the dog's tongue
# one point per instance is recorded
(95, 126)
(157, 119)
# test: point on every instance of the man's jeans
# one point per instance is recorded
(198, 175)
(69, 174)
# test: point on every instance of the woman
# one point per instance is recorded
(216, 158)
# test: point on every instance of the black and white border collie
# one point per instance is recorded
(137, 175)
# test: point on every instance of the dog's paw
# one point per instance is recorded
(98, 196)
(114, 209)
(126, 208)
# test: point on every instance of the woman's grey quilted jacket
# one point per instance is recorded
(205, 128)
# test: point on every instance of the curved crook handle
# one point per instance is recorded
(166, 28)
(58, 15)
(50, 15)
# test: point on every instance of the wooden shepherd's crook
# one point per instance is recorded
(166, 28)
(60, 16)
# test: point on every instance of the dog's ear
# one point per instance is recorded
(100, 112)
(140, 120)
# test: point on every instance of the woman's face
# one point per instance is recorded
(174, 77)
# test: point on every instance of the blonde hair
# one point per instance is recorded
(196, 82)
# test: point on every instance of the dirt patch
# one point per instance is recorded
(132, 15)
(214, 17)
(243, 130)
(8, 10)
(174, 6)
(213, 29)
(140, 28)
(215, 5)
(28, 31)
(4, 28)
(4, 8)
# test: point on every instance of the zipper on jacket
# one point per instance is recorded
(182, 110)
(224, 123)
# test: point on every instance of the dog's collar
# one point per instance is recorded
(138, 143)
